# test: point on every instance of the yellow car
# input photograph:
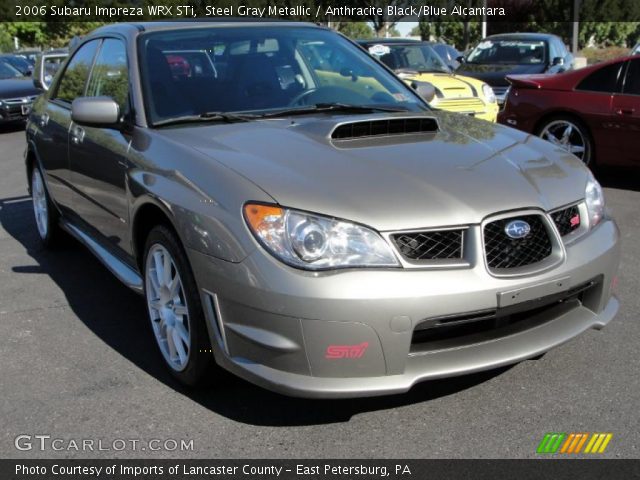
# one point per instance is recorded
(414, 60)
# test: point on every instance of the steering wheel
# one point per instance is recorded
(298, 99)
(328, 94)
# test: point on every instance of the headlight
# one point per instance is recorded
(594, 199)
(315, 242)
(488, 93)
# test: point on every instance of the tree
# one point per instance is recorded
(383, 23)
(354, 29)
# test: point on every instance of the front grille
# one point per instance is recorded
(567, 220)
(504, 252)
(475, 327)
(431, 245)
(500, 90)
(20, 100)
(392, 126)
(461, 104)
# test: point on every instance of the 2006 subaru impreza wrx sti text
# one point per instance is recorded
(294, 213)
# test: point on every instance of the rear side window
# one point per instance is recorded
(110, 75)
(632, 81)
(603, 80)
(75, 75)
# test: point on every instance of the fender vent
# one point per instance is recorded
(385, 127)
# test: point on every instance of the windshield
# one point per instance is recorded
(519, 52)
(7, 71)
(19, 63)
(260, 69)
(420, 58)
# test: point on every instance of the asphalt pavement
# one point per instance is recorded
(77, 363)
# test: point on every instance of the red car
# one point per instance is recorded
(593, 112)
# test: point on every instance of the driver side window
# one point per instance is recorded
(75, 75)
(110, 75)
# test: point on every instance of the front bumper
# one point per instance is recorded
(14, 112)
(351, 333)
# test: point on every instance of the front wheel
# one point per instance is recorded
(174, 307)
(44, 211)
(571, 135)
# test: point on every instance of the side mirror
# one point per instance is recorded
(557, 61)
(425, 90)
(95, 111)
(460, 59)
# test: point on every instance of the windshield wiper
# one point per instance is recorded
(407, 70)
(332, 107)
(207, 117)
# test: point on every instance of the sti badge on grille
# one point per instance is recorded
(517, 229)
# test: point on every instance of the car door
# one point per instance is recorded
(54, 120)
(593, 98)
(98, 156)
(625, 108)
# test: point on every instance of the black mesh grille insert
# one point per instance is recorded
(436, 245)
(505, 252)
(567, 220)
(392, 126)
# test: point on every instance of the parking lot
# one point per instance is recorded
(79, 362)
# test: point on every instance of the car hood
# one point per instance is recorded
(450, 85)
(13, 88)
(495, 74)
(466, 171)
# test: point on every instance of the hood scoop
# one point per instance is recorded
(385, 127)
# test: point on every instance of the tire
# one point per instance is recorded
(45, 212)
(175, 311)
(576, 140)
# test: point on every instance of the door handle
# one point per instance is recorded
(625, 111)
(44, 119)
(77, 134)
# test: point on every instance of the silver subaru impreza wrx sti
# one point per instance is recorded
(296, 214)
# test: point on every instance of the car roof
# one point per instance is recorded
(522, 36)
(389, 41)
(124, 28)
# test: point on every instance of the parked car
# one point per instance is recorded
(17, 94)
(636, 50)
(417, 61)
(497, 56)
(593, 112)
(449, 54)
(314, 226)
(47, 65)
(19, 63)
(29, 54)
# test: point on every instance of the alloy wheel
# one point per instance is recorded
(40, 206)
(168, 308)
(569, 136)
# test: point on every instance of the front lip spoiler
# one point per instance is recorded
(432, 365)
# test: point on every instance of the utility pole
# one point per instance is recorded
(484, 20)
(576, 25)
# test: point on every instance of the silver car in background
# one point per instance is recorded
(296, 214)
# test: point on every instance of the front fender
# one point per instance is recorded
(202, 223)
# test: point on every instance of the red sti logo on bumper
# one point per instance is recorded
(575, 220)
(346, 351)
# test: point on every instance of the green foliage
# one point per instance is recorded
(6, 40)
(595, 55)
(460, 34)
(355, 30)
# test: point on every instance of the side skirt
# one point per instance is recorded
(121, 270)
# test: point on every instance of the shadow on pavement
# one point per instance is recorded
(621, 178)
(12, 127)
(118, 317)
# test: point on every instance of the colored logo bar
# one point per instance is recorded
(574, 443)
